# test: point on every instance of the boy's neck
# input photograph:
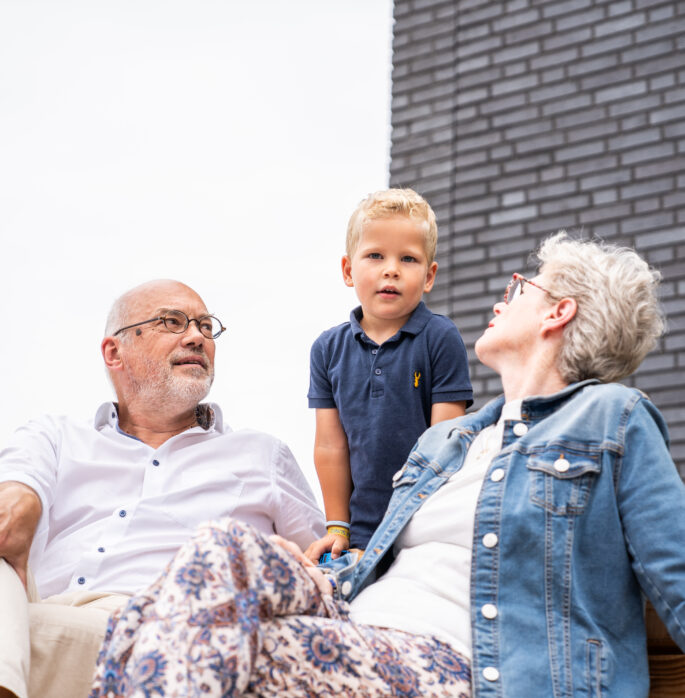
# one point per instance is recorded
(381, 330)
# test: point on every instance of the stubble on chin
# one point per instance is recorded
(159, 384)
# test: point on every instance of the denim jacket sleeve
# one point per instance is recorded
(651, 501)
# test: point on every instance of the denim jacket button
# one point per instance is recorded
(490, 540)
(561, 465)
(497, 474)
(346, 588)
(489, 610)
(490, 673)
(520, 429)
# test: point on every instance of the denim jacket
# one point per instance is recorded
(580, 511)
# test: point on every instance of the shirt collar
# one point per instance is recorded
(209, 416)
(511, 410)
(534, 407)
(538, 406)
(416, 322)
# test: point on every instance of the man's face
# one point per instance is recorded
(162, 365)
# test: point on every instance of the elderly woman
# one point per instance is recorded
(513, 557)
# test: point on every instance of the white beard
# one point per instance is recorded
(160, 384)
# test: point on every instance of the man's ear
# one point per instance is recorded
(430, 277)
(110, 353)
(346, 265)
(559, 315)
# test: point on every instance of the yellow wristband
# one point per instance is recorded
(339, 531)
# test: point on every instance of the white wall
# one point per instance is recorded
(221, 143)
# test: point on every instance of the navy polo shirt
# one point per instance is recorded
(384, 396)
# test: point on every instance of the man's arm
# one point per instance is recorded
(440, 411)
(332, 461)
(20, 511)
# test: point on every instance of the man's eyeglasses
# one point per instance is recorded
(515, 288)
(177, 321)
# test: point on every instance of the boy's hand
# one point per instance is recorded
(319, 578)
(331, 542)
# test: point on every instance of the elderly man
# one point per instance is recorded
(99, 509)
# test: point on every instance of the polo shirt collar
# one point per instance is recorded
(417, 320)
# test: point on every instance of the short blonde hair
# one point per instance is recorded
(393, 202)
(618, 320)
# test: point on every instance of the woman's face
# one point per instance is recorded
(514, 330)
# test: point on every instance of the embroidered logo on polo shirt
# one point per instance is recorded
(417, 378)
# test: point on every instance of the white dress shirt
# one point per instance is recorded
(427, 588)
(116, 510)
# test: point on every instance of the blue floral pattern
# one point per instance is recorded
(235, 614)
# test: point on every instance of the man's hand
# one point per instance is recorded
(336, 544)
(313, 571)
(20, 511)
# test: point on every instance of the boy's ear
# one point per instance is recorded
(430, 277)
(347, 270)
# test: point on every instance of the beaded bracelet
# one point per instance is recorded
(338, 531)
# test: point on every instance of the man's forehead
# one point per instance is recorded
(159, 296)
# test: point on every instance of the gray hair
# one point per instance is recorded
(618, 320)
(118, 316)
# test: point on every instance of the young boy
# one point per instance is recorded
(381, 379)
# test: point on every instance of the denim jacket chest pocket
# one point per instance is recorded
(561, 480)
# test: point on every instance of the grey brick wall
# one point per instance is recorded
(519, 118)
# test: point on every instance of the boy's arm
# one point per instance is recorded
(332, 461)
(440, 411)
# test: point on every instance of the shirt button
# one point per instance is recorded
(378, 371)
(122, 513)
(346, 588)
(561, 465)
(497, 474)
(490, 540)
(490, 673)
(155, 462)
(101, 550)
(114, 414)
(520, 429)
(374, 351)
(81, 580)
(489, 611)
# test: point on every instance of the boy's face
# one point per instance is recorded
(389, 269)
